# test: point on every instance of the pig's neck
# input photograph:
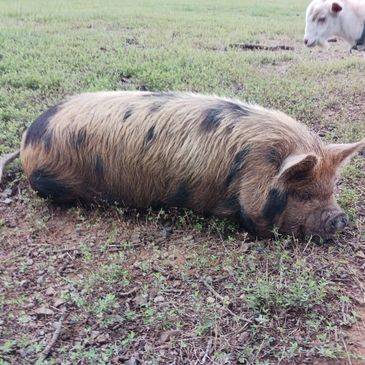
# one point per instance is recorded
(352, 22)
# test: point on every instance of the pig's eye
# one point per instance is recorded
(321, 20)
(303, 196)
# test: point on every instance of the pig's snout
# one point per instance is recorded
(336, 223)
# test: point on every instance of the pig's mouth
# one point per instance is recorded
(319, 237)
(322, 43)
(315, 237)
(311, 44)
(326, 227)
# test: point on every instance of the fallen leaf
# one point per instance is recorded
(43, 310)
(6, 193)
(50, 291)
(140, 300)
(132, 361)
(246, 246)
(41, 279)
(159, 299)
(165, 336)
(210, 300)
(58, 302)
(103, 338)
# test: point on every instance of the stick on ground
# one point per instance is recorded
(45, 353)
(253, 47)
(6, 159)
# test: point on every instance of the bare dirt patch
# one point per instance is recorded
(356, 335)
(121, 288)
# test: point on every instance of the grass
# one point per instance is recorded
(129, 286)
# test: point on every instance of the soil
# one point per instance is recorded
(42, 252)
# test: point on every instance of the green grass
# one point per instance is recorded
(289, 300)
(50, 51)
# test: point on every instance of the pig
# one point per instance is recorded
(214, 155)
(344, 19)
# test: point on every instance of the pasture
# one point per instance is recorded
(107, 285)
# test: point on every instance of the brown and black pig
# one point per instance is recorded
(214, 155)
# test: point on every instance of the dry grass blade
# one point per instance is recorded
(207, 352)
(130, 292)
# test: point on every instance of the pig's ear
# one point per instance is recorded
(297, 167)
(342, 153)
(336, 7)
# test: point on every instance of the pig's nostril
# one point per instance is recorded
(344, 220)
(337, 223)
(305, 41)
